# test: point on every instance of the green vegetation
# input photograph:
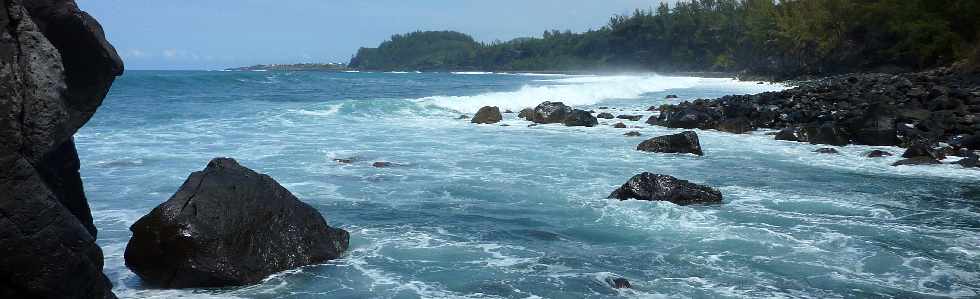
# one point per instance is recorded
(768, 37)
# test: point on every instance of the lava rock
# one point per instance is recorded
(487, 115)
(619, 283)
(826, 150)
(788, 134)
(917, 161)
(829, 135)
(630, 117)
(632, 134)
(552, 112)
(735, 125)
(382, 164)
(658, 187)
(580, 118)
(55, 69)
(228, 225)
(917, 150)
(619, 126)
(671, 96)
(686, 142)
(878, 154)
(965, 141)
(526, 113)
(971, 160)
(605, 115)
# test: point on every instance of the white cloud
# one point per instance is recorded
(170, 53)
(134, 53)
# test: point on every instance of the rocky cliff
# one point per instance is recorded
(55, 69)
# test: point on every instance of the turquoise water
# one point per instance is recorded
(489, 211)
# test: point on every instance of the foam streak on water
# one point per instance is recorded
(488, 211)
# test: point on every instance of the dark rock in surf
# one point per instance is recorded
(965, 141)
(487, 115)
(551, 112)
(619, 283)
(788, 134)
(55, 69)
(344, 160)
(735, 125)
(605, 115)
(226, 226)
(527, 114)
(686, 142)
(917, 161)
(671, 96)
(630, 117)
(463, 116)
(826, 150)
(619, 126)
(658, 187)
(580, 118)
(917, 150)
(826, 134)
(878, 154)
(971, 160)
(632, 134)
(382, 164)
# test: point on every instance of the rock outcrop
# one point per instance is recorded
(487, 115)
(550, 112)
(658, 187)
(684, 143)
(605, 115)
(55, 69)
(228, 225)
(580, 118)
(871, 109)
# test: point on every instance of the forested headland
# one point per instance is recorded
(788, 38)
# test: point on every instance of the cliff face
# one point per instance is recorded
(55, 69)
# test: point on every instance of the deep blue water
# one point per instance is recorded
(488, 211)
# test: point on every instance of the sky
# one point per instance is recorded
(216, 34)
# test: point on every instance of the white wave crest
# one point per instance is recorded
(574, 91)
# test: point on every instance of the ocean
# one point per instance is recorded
(492, 211)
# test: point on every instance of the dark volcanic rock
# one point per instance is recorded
(658, 187)
(526, 113)
(686, 142)
(971, 160)
(970, 142)
(735, 125)
(917, 161)
(878, 154)
(228, 225)
(826, 150)
(487, 115)
(824, 135)
(619, 126)
(551, 112)
(630, 117)
(923, 150)
(605, 115)
(671, 96)
(788, 134)
(382, 164)
(580, 118)
(632, 134)
(55, 69)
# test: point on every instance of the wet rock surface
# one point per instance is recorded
(658, 187)
(686, 143)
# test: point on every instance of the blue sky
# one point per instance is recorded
(212, 34)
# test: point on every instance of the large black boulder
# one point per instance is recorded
(686, 142)
(605, 115)
(658, 187)
(580, 118)
(788, 134)
(487, 115)
(551, 112)
(55, 69)
(824, 134)
(228, 225)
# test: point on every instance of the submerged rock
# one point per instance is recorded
(618, 283)
(580, 118)
(487, 115)
(228, 225)
(686, 142)
(658, 187)
(917, 161)
(632, 134)
(619, 126)
(382, 164)
(826, 150)
(605, 115)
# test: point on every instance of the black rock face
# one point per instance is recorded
(55, 69)
(580, 118)
(686, 142)
(658, 187)
(487, 115)
(228, 225)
